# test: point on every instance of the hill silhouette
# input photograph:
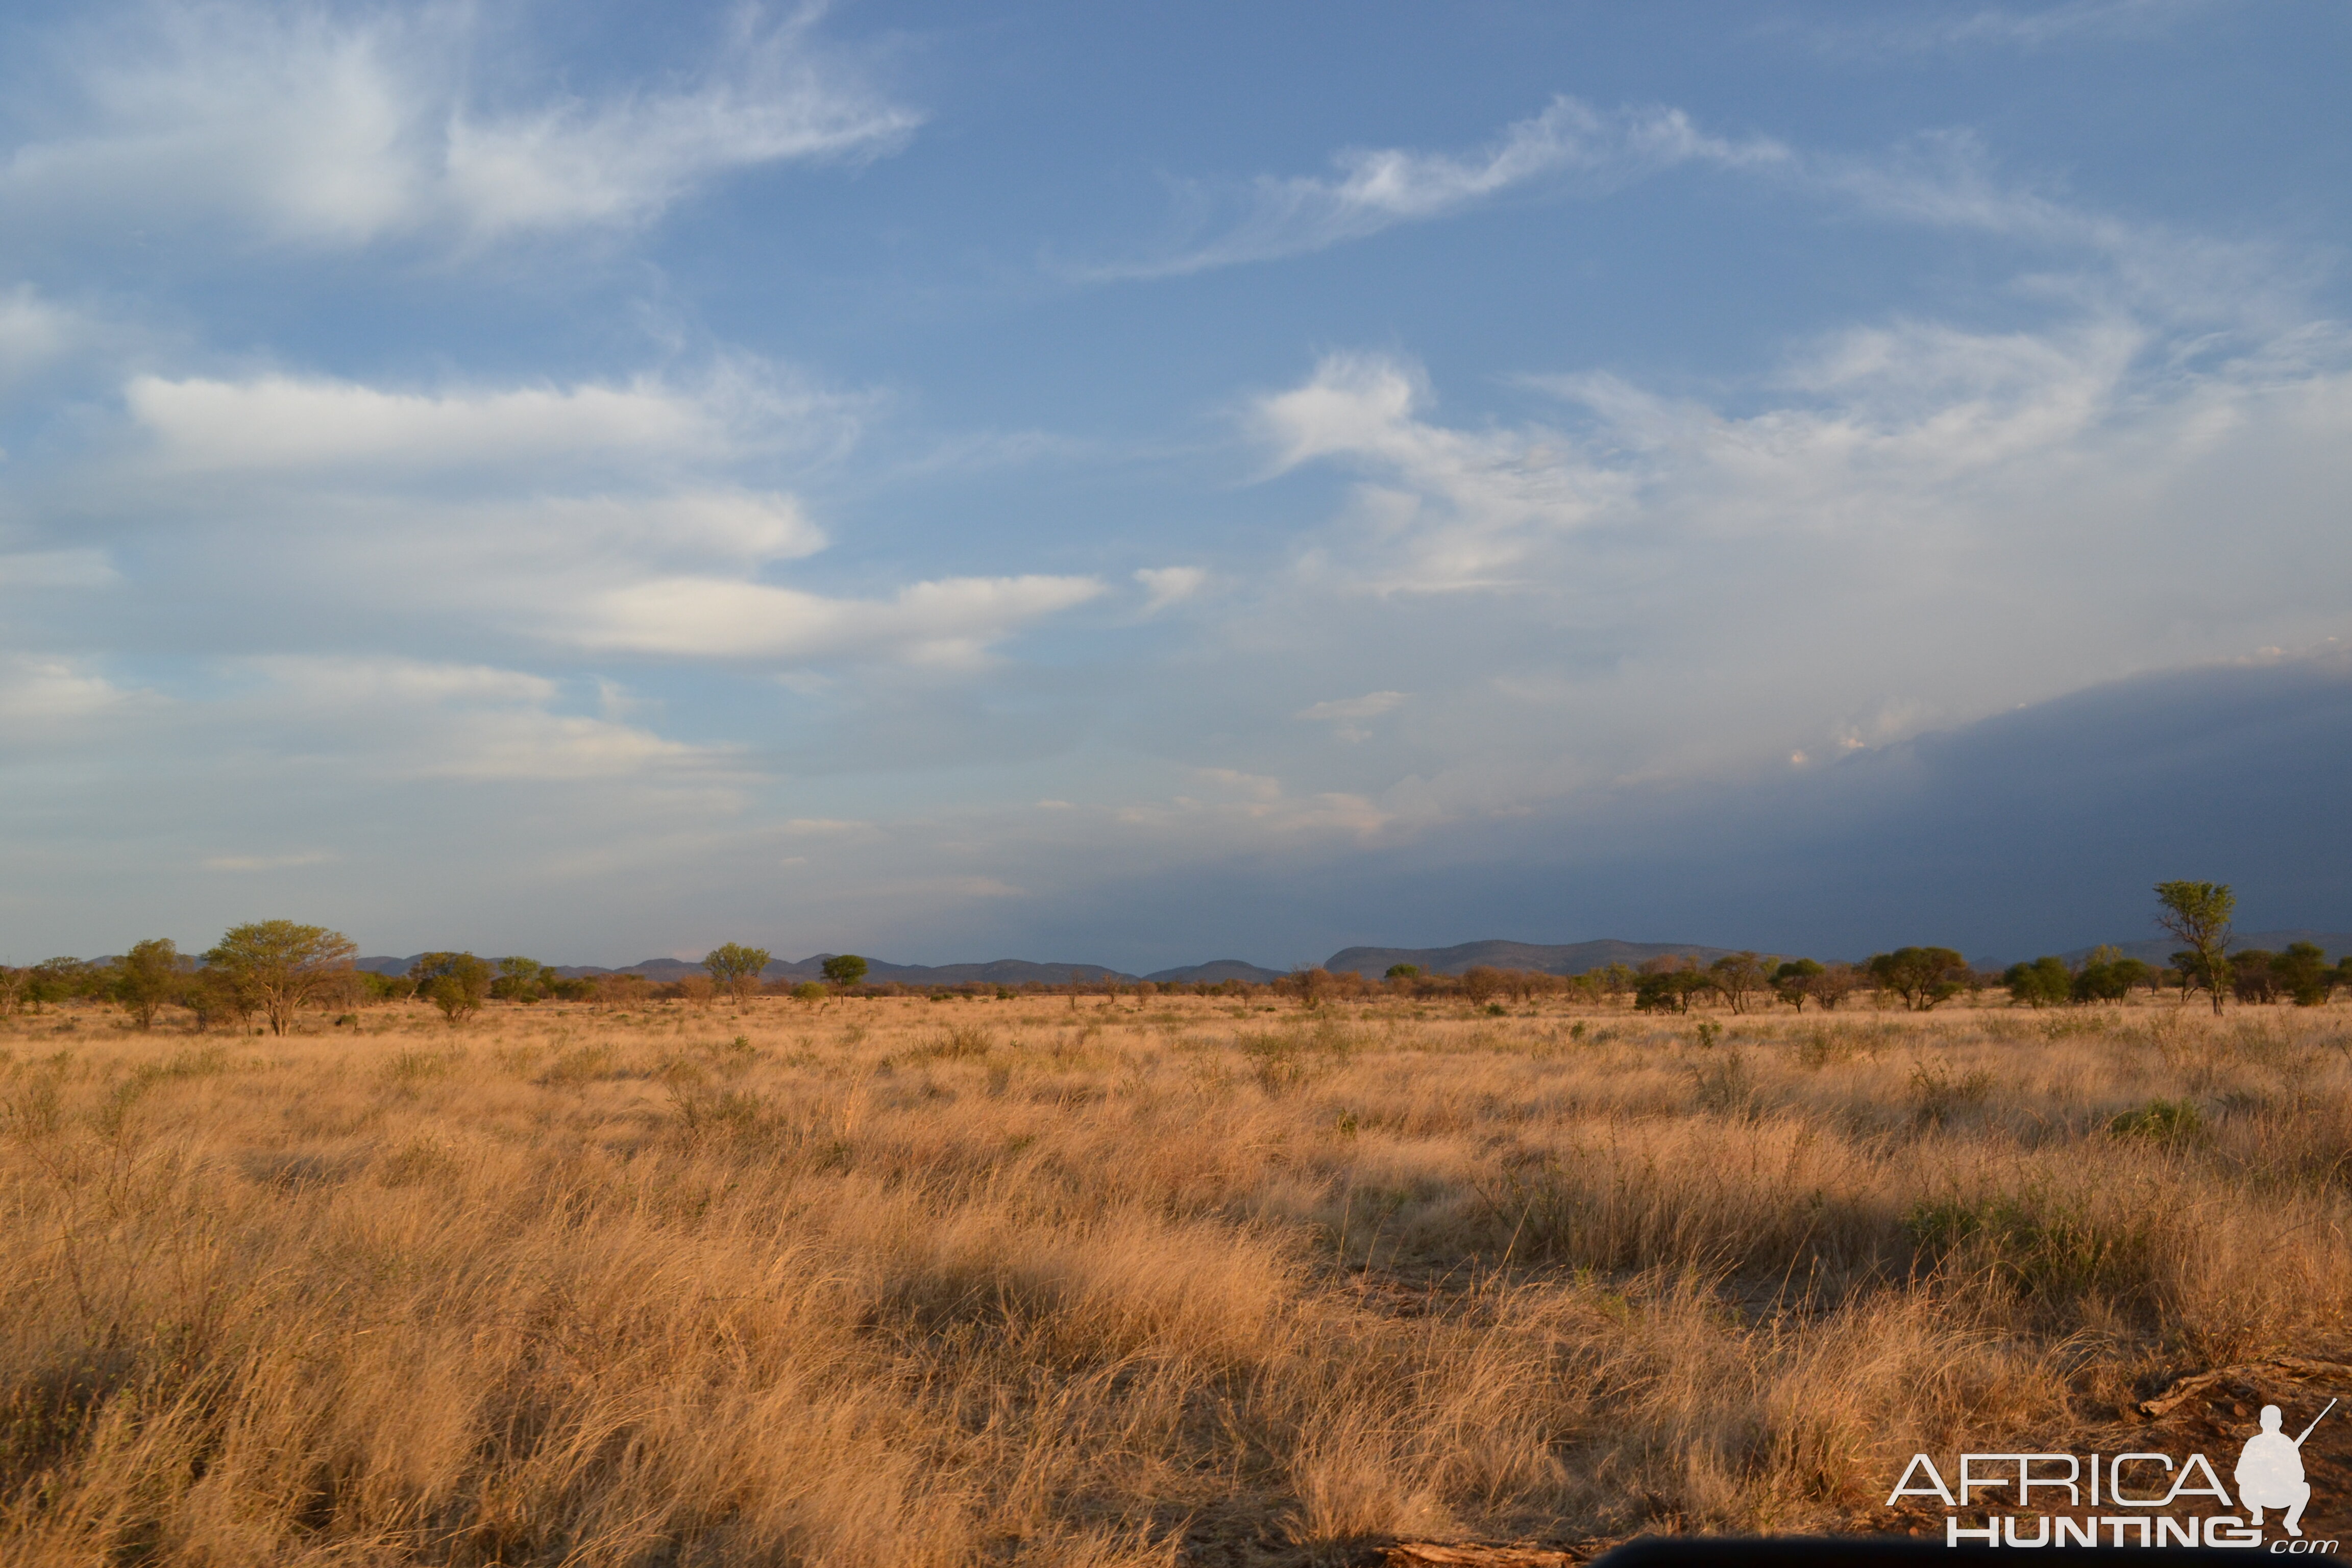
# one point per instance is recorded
(1574, 958)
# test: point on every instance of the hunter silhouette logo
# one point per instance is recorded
(2269, 1475)
(2270, 1471)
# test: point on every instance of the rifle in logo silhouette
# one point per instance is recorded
(2269, 1470)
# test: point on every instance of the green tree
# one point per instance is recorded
(453, 981)
(736, 969)
(286, 964)
(1480, 981)
(2303, 969)
(2108, 976)
(2197, 915)
(1922, 976)
(1402, 972)
(2044, 983)
(845, 970)
(148, 976)
(1739, 976)
(57, 979)
(2252, 976)
(1667, 986)
(218, 995)
(524, 980)
(377, 987)
(1793, 980)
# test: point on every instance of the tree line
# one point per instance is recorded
(273, 969)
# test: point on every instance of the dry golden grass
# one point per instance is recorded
(906, 1282)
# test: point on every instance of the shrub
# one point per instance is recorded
(2161, 1121)
(2043, 983)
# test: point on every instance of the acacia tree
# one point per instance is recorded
(55, 979)
(735, 968)
(1480, 981)
(1922, 976)
(216, 996)
(453, 981)
(1738, 975)
(1792, 981)
(522, 980)
(148, 976)
(2043, 983)
(2197, 914)
(286, 964)
(2303, 970)
(846, 969)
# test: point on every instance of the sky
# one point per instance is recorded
(1142, 485)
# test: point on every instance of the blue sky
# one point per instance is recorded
(1145, 483)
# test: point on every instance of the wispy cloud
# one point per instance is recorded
(302, 126)
(283, 862)
(35, 332)
(1166, 585)
(419, 719)
(39, 690)
(1569, 143)
(948, 623)
(1346, 714)
(1944, 179)
(2012, 26)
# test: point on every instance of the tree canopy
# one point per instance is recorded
(1922, 976)
(2197, 913)
(286, 964)
(453, 981)
(735, 968)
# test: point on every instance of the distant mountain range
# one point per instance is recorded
(1372, 962)
(1001, 971)
(1576, 958)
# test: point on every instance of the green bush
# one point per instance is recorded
(2164, 1120)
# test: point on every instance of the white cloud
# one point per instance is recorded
(1378, 188)
(1165, 586)
(596, 516)
(1344, 714)
(35, 332)
(831, 828)
(1256, 805)
(951, 621)
(407, 718)
(1939, 179)
(2000, 26)
(288, 424)
(1469, 504)
(1371, 705)
(283, 862)
(1908, 526)
(317, 130)
(36, 688)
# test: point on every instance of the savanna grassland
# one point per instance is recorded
(1096, 1281)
